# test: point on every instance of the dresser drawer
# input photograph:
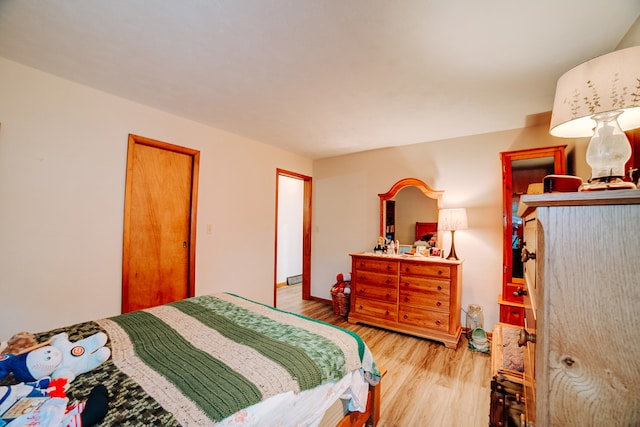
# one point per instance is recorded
(421, 300)
(425, 269)
(382, 266)
(422, 292)
(378, 309)
(425, 285)
(378, 292)
(373, 278)
(431, 319)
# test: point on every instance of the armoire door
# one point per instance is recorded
(159, 224)
(520, 168)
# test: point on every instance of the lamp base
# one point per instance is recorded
(452, 252)
(609, 184)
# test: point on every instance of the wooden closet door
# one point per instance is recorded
(159, 228)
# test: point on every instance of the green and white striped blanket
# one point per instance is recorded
(205, 358)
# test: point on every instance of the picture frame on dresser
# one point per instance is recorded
(422, 250)
(404, 249)
(435, 252)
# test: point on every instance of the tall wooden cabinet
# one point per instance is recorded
(416, 295)
(582, 308)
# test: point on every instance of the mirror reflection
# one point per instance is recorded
(412, 206)
(524, 172)
(409, 211)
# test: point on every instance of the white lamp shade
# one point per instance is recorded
(452, 219)
(606, 83)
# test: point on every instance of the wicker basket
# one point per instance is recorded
(340, 302)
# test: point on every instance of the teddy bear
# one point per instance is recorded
(80, 356)
(59, 359)
(20, 342)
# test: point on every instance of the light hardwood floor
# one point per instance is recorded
(427, 385)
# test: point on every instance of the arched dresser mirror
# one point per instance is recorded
(520, 168)
(409, 210)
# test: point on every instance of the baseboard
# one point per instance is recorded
(294, 280)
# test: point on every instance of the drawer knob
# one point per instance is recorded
(526, 255)
(386, 312)
(388, 281)
(361, 291)
(439, 287)
(520, 292)
(438, 303)
(438, 322)
(406, 298)
(388, 267)
(406, 316)
(439, 271)
(388, 294)
(526, 337)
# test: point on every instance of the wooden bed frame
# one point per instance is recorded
(423, 228)
(372, 415)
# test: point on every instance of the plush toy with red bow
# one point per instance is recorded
(58, 358)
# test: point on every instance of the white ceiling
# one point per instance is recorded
(322, 77)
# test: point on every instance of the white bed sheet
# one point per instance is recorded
(304, 408)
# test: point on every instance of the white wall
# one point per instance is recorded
(63, 151)
(346, 205)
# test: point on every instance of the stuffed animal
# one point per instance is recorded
(80, 356)
(60, 359)
(19, 343)
(31, 366)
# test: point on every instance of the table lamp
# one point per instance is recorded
(601, 98)
(452, 220)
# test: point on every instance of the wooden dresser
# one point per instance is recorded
(582, 308)
(420, 296)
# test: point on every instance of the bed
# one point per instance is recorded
(225, 360)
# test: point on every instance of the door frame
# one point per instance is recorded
(134, 140)
(306, 234)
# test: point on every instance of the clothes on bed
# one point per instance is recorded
(45, 408)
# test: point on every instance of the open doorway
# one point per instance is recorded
(293, 233)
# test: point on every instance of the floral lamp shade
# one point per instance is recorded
(452, 219)
(601, 98)
(607, 83)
